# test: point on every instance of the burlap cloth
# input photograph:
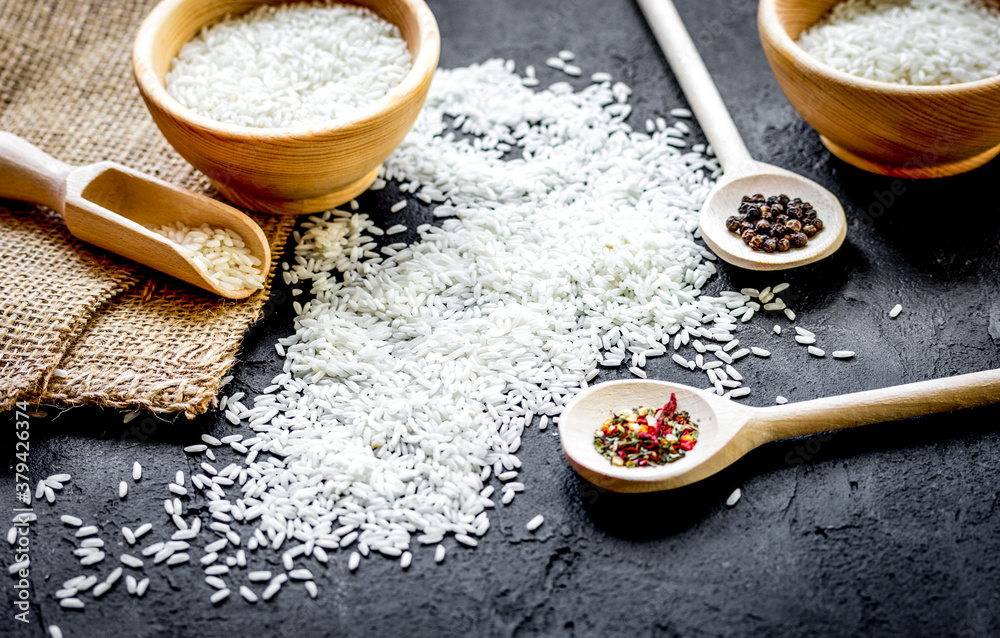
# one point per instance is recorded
(77, 325)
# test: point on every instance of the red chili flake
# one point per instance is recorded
(667, 413)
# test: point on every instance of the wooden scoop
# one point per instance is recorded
(728, 430)
(742, 174)
(107, 204)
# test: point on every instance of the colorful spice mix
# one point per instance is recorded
(646, 436)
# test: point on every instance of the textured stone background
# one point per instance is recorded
(884, 530)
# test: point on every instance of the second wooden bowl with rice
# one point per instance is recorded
(902, 120)
(248, 106)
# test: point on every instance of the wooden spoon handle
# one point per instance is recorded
(29, 174)
(875, 406)
(698, 86)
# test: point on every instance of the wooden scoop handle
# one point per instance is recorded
(875, 406)
(29, 174)
(697, 84)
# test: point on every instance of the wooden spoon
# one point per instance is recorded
(728, 430)
(742, 175)
(107, 204)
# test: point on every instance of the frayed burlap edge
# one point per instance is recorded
(50, 287)
(162, 347)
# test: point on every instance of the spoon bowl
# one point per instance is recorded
(742, 174)
(727, 430)
(724, 201)
(713, 415)
(109, 205)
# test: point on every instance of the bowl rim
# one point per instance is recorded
(423, 67)
(769, 23)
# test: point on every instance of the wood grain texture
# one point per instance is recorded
(108, 205)
(288, 171)
(889, 129)
(728, 430)
(743, 175)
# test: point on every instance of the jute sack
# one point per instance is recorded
(78, 325)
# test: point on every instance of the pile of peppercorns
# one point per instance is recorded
(774, 224)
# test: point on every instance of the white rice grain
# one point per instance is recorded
(291, 65)
(733, 498)
(220, 252)
(910, 42)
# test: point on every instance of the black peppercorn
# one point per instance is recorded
(775, 223)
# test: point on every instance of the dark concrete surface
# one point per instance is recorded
(880, 531)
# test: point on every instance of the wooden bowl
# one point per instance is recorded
(889, 129)
(286, 171)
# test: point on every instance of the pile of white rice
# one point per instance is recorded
(220, 252)
(412, 375)
(918, 42)
(290, 65)
(568, 243)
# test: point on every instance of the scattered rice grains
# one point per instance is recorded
(411, 377)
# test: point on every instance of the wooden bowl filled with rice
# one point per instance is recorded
(287, 107)
(908, 88)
